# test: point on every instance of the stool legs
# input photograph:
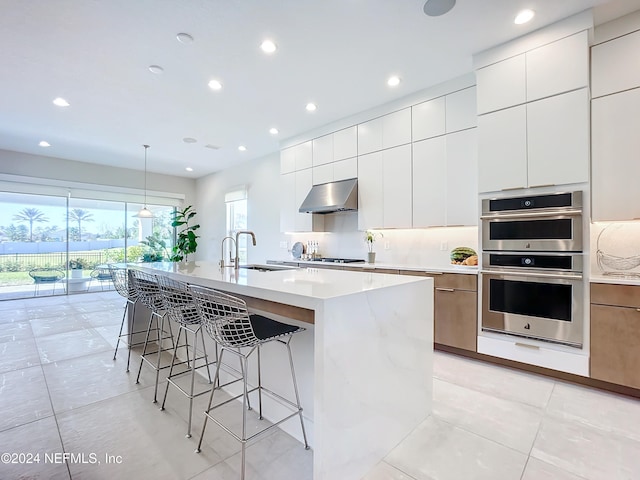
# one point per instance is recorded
(124, 319)
(160, 337)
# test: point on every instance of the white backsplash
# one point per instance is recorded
(420, 247)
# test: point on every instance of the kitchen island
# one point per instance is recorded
(364, 366)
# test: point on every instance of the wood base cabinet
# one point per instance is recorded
(615, 334)
(455, 309)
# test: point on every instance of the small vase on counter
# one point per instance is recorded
(371, 257)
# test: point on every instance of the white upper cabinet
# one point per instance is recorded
(558, 67)
(304, 155)
(287, 202)
(429, 119)
(396, 184)
(370, 194)
(322, 174)
(615, 65)
(396, 128)
(461, 110)
(462, 178)
(345, 169)
(502, 149)
(558, 139)
(615, 167)
(370, 136)
(430, 182)
(287, 160)
(345, 143)
(322, 150)
(501, 84)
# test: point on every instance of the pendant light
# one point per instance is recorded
(145, 212)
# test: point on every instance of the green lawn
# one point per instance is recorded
(15, 278)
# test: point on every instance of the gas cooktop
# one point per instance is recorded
(338, 260)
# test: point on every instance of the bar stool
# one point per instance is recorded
(120, 278)
(228, 322)
(149, 294)
(180, 307)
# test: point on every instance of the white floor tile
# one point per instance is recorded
(77, 343)
(23, 397)
(12, 331)
(53, 325)
(18, 354)
(539, 470)
(384, 471)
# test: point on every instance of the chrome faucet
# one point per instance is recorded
(222, 264)
(245, 232)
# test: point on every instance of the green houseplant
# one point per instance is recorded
(76, 265)
(186, 238)
(370, 238)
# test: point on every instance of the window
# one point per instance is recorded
(236, 202)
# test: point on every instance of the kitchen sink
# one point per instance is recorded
(266, 268)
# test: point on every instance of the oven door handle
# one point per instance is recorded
(575, 276)
(557, 213)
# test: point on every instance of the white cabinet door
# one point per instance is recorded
(615, 174)
(558, 67)
(303, 221)
(322, 174)
(370, 195)
(558, 139)
(502, 149)
(430, 182)
(397, 187)
(501, 85)
(428, 119)
(461, 110)
(462, 178)
(322, 150)
(396, 128)
(288, 160)
(345, 143)
(287, 202)
(370, 136)
(304, 155)
(615, 65)
(345, 169)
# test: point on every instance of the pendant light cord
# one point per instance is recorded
(145, 175)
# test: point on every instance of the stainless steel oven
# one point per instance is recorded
(551, 223)
(534, 295)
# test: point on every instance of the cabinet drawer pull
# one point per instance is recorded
(510, 188)
(447, 290)
(637, 309)
(433, 273)
(526, 345)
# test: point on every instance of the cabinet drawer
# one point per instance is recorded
(456, 281)
(456, 320)
(611, 294)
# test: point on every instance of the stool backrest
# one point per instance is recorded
(178, 301)
(225, 317)
(147, 287)
(120, 278)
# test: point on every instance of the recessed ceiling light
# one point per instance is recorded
(189, 140)
(44, 144)
(311, 107)
(184, 38)
(393, 81)
(189, 169)
(157, 69)
(242, 148)
(214, 85)
(273, 131)
(268, 46)
(524, 16)
(61, 102)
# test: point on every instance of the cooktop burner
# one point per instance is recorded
(339, 260)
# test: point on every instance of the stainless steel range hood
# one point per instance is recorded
(332, 197)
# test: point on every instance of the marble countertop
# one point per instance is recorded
(302, 287)
(473, 270)
(614, 279)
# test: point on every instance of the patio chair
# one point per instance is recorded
(102, 275)
(46, 276)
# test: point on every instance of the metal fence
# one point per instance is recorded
(22, 262)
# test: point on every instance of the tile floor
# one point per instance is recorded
(60, 391)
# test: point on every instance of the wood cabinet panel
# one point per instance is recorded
(615, 336)
(455, 316)
(612, 294)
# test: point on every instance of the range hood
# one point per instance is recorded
(332, 197)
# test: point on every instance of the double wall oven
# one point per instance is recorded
(532, 267)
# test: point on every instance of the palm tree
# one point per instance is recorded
(30, 215)
(79, 215)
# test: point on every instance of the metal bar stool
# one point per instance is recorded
(149, 294)
(228, 322)
(180, 307)
(122, 284)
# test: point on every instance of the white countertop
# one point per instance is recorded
(299, 286)
(614, 279)
(473, 270)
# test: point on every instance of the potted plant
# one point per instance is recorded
(76, 266)
(370, 238)
(186, 239)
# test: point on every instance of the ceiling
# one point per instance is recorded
(336, 53)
